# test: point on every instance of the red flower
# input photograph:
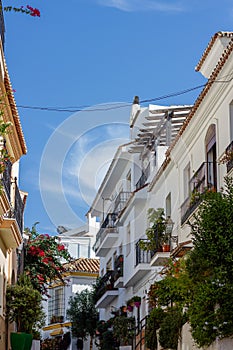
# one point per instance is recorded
(41, 253)
(33, 11)
(45, 260)
(40, 277)
(61, 247)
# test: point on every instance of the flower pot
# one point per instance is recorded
(166, 248)
(28, 341)
(130, 308)
(137, 303)
(21, 341)
(17, 341)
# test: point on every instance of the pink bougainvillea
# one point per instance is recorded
(44, 259)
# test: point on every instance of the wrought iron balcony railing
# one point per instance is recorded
(107, 228)
(106, 283)
(16, 212)
(121, 200)
(6, 179)
(143, 178)
(205, 179)
(19, 208)
(118, 267)
(143, 256)
(229, 151)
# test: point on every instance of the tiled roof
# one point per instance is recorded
(14, 110)
(210, 45)
(83, 265)
(225, 55)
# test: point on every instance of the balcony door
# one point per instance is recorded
(210, 143)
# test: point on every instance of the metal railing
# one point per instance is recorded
(229, 149)
(143, 178)
(118, 267)
(16, 212)
(6, 179)
(204, 179)
(142, 256)
(140, 335)
(121, 200)
(106, 283)
(108, 223)
(19, 208)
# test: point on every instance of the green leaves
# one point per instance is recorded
(23, 305)
(83, 314)
(210, 268)
(44, 259)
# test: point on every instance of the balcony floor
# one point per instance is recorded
(106, 299)
(138, 273)
(160, 258)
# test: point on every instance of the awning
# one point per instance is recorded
(58, 331)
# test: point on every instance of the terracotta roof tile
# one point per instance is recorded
(14, 110)
(204, 92)
(210, 45)
(83, 265)
(225, 55)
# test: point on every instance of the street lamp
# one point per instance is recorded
(169, 224)
(105, 199)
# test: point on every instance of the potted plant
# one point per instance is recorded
(155, 231)
(130, 305)
(124, 330)
(23, 306)
(137, 301)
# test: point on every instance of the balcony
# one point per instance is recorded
(143, 178)
(107, 235)
(9, 230)
(106, 291)
(142, 264)
(118, 271)
(11, 225)
(121, 201)
(6, 185)
(203, 180)
(229, 153)
(160, 258)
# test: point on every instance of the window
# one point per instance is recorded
(210, 142)
(168, 205)
(120, 250)
(56, 304)
(128, 182)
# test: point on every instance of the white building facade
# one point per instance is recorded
(171, 147)
(81, 274)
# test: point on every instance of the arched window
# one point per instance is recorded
(210, 145)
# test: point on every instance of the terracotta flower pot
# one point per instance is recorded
(166, 248)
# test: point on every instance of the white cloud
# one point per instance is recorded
(89, 172)
(146, 5)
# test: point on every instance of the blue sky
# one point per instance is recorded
(92, 53)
